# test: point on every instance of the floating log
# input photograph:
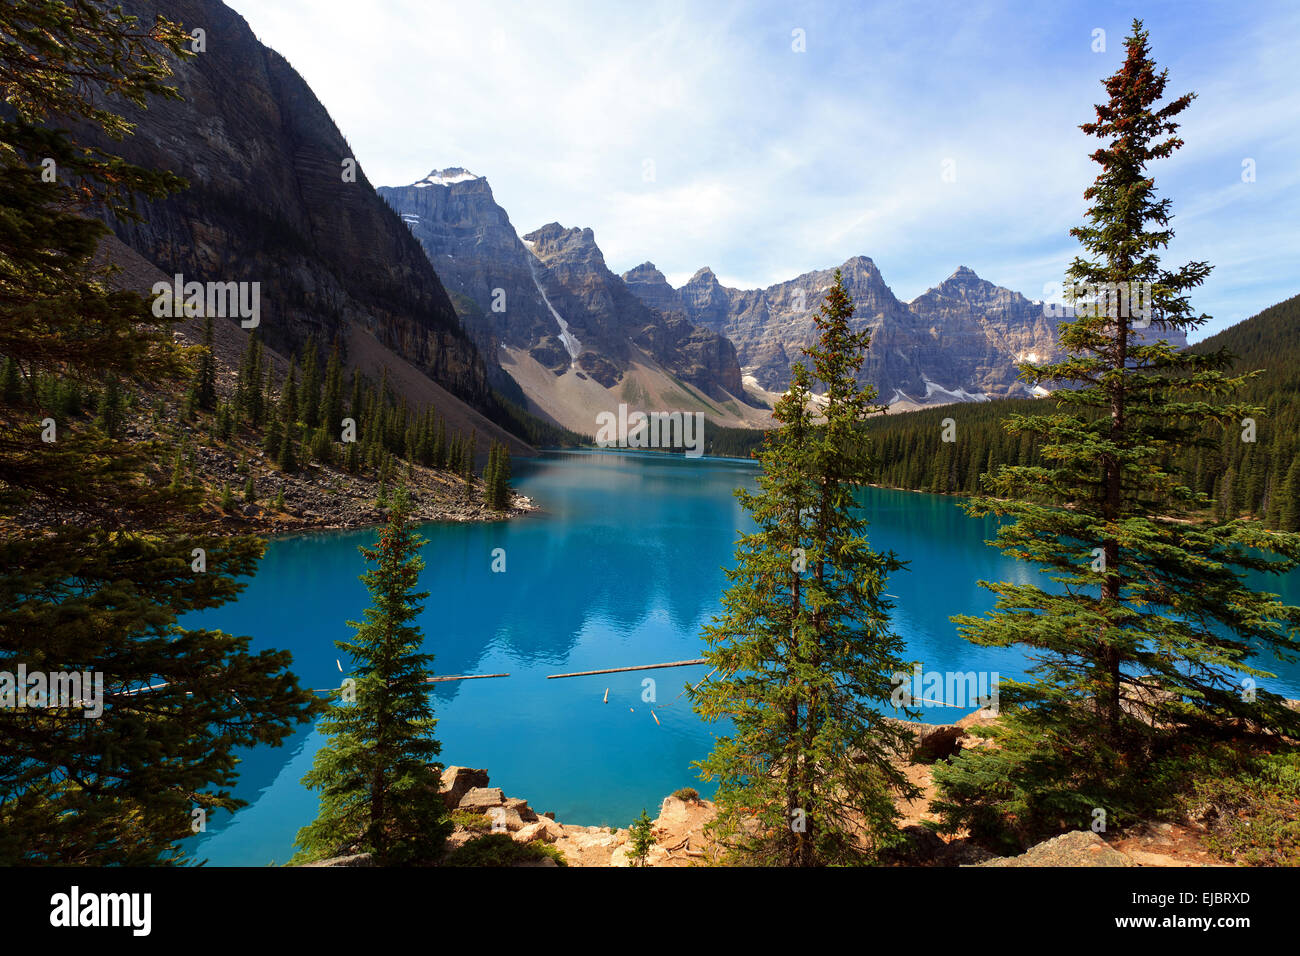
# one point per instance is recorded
(637, 667)
(435, 680)
(606, 695)
(427, 680)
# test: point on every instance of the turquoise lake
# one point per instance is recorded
(622, 565)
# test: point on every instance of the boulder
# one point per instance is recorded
(979, 718)
(545, 830)
(507, 816)
(458, 781)
(521, 807)
(481, 799)
(1078, 848)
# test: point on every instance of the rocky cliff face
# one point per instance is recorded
(475, 251)
(985, 329)
(269, 202)
(551, 293)
(960, 341)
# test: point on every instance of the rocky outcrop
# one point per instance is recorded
(1077, 848)
(930, 742)
(458, 781)
(478, 255)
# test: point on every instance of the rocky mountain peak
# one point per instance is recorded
(557, 245)
(860, 262)
(965, 284)
(645, 272)
(651, 287)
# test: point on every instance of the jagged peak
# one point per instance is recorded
(703, 274)
(647, 269)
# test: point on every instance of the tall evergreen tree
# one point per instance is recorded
(803, 650)
(496, 478)
(467, 464)
(331, 403)
(205, 377)
(379, 785)
(1289, 508)
(99, 582)
(1144, 640)
(310, 395)
(440, 445)
(286, 453)
(110, 416)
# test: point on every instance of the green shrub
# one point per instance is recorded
(687, 795)
(474, 822)
(498, 849)
(1253, 817)
(1009, 798)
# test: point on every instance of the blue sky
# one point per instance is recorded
(694, 134)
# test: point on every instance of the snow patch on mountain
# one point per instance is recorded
(446, 177)
(569, 340)
(959, 394)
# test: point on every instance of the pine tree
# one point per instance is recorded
(331, 403)
(110, 417)
(468, 466)
(101, 584)
(1141, 645)
(379, 787)
(641, 839)
(11, 386)
(205, 377)
(440, 445)
(489, 478)
(286, 454)
(310, 394)
(322, 448)
(803, 648)
(1289, 508)
(356, 402)
(496, 479)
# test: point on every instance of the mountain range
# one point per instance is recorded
(433, 277)
(547, 301)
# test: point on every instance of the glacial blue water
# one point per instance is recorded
(622, 566)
